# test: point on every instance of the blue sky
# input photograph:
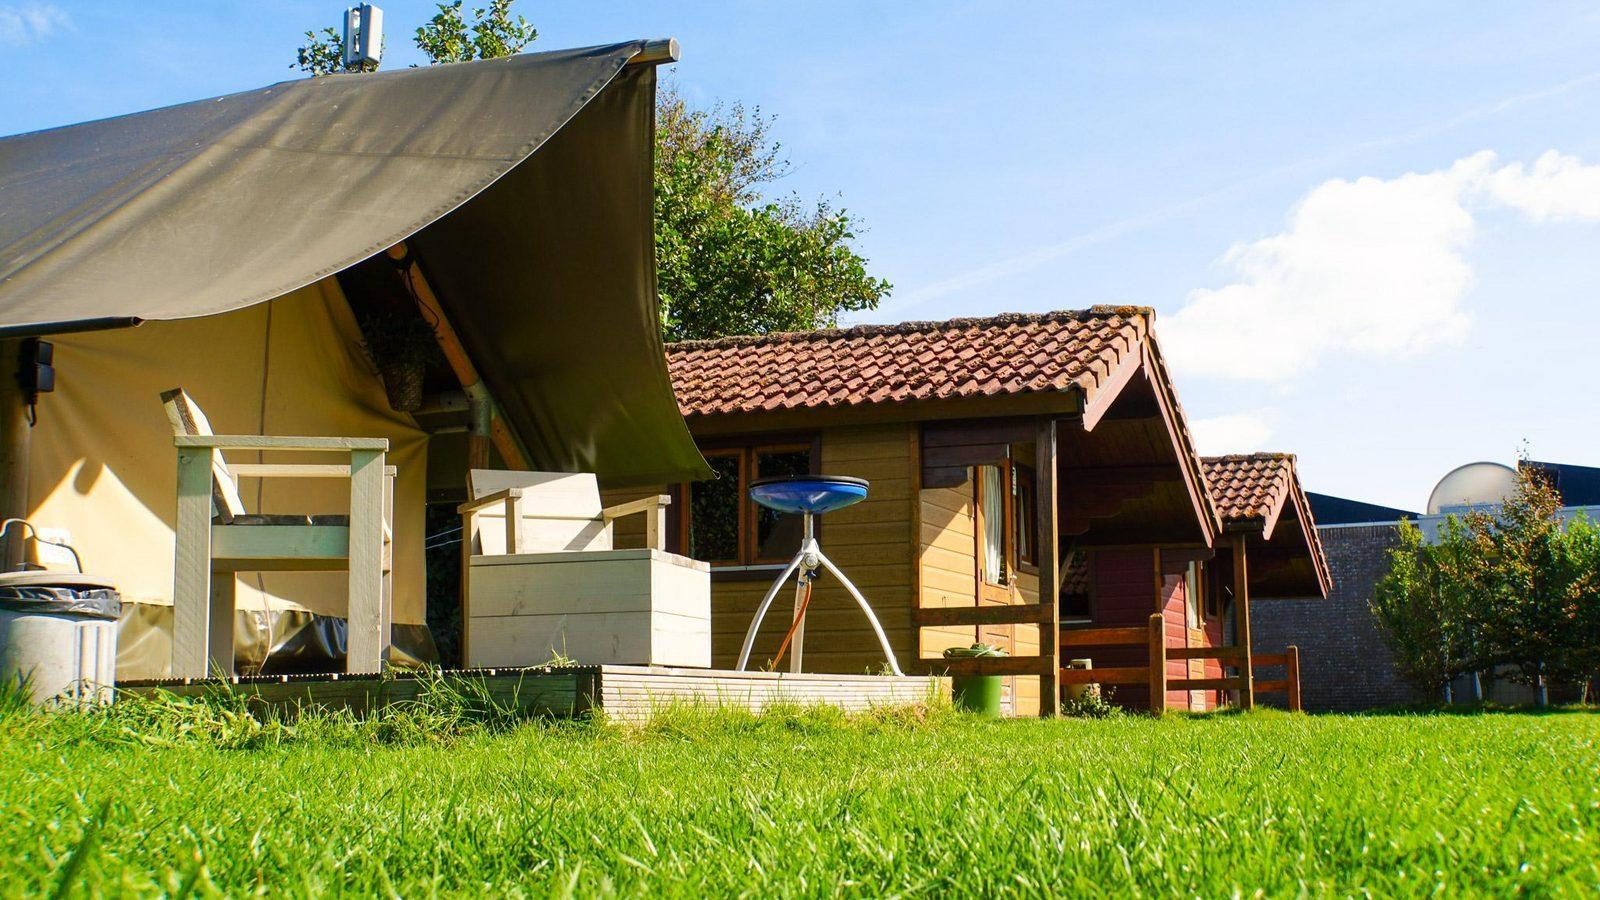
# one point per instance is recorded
(1371, 230)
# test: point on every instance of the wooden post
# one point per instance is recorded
(1241, 612)
(219, 630)
(485, 427)
(191, 578)
(1047, 489)
(1158, 664)
(368, 641)
(15, 437)
(1291, 664)
(655, 528)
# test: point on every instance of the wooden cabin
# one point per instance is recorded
(1003, 453)
(1271, 540)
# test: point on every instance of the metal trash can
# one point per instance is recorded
(58, 634)
(976, 693)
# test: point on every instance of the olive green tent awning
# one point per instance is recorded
(524, 183)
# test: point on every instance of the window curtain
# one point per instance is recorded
(991, 494)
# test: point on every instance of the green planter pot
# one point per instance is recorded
(976, 693)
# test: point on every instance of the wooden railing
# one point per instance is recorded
(1290, 683)
(1154, 673)
(1151, 636)
(1015, 614)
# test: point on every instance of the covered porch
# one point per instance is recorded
(1153, 569)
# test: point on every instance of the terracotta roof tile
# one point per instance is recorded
(869, 364)
(1249, 486)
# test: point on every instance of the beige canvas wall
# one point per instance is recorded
(103, 466)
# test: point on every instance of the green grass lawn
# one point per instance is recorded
(804, 803)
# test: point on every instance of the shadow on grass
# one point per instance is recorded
(1411, 710)
(1472, 709)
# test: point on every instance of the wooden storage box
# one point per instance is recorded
(605, 607)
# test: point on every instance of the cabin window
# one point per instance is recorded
(1007, 506)
(713, 527)
(1194, 593)
(777, 536)
(722, 526)
(1025, 506)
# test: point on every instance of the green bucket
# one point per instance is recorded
(976, 693)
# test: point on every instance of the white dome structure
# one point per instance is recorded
(1474, 484)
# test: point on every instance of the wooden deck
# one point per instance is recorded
(627, 693)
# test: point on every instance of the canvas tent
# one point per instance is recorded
(522, 189)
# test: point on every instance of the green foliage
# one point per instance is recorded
(814, 803)
(729, 261)
(323, 54)
(1513, 588)
(494, 33)
(1423, 604)
(1096, 703)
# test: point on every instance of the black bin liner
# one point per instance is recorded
(61, 600)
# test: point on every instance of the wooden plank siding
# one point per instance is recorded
(947, 554)
(872, 542)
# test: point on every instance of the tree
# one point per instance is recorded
(730, 259)
(1530, 578)
(1420, 603)
(1516, 588)
(323, 54)
(494, 33)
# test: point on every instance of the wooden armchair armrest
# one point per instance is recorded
(497, 498)
(279, 442)
(511, 499)
(297, 470)
(655, 520)
(644, 504)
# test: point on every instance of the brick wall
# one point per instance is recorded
(1344, 664)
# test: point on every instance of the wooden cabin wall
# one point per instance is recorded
(870, 541)
(1025, 642)
(1126, 585)
(1123, 590)
(1172, 599)
(947, 561)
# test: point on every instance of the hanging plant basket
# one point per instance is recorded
(400, 345)
(402, 381)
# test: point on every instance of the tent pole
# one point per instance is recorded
(15, 438)
(485, 427)
(657, 53)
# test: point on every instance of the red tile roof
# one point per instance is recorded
(1249, 486)
(871, 364)
(1256, 487)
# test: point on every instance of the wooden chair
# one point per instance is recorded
(217, 538)
(541, 578)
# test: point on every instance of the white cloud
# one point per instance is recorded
(30, 22)
(1370, 266)
(1557, 188)
(1235, 433)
